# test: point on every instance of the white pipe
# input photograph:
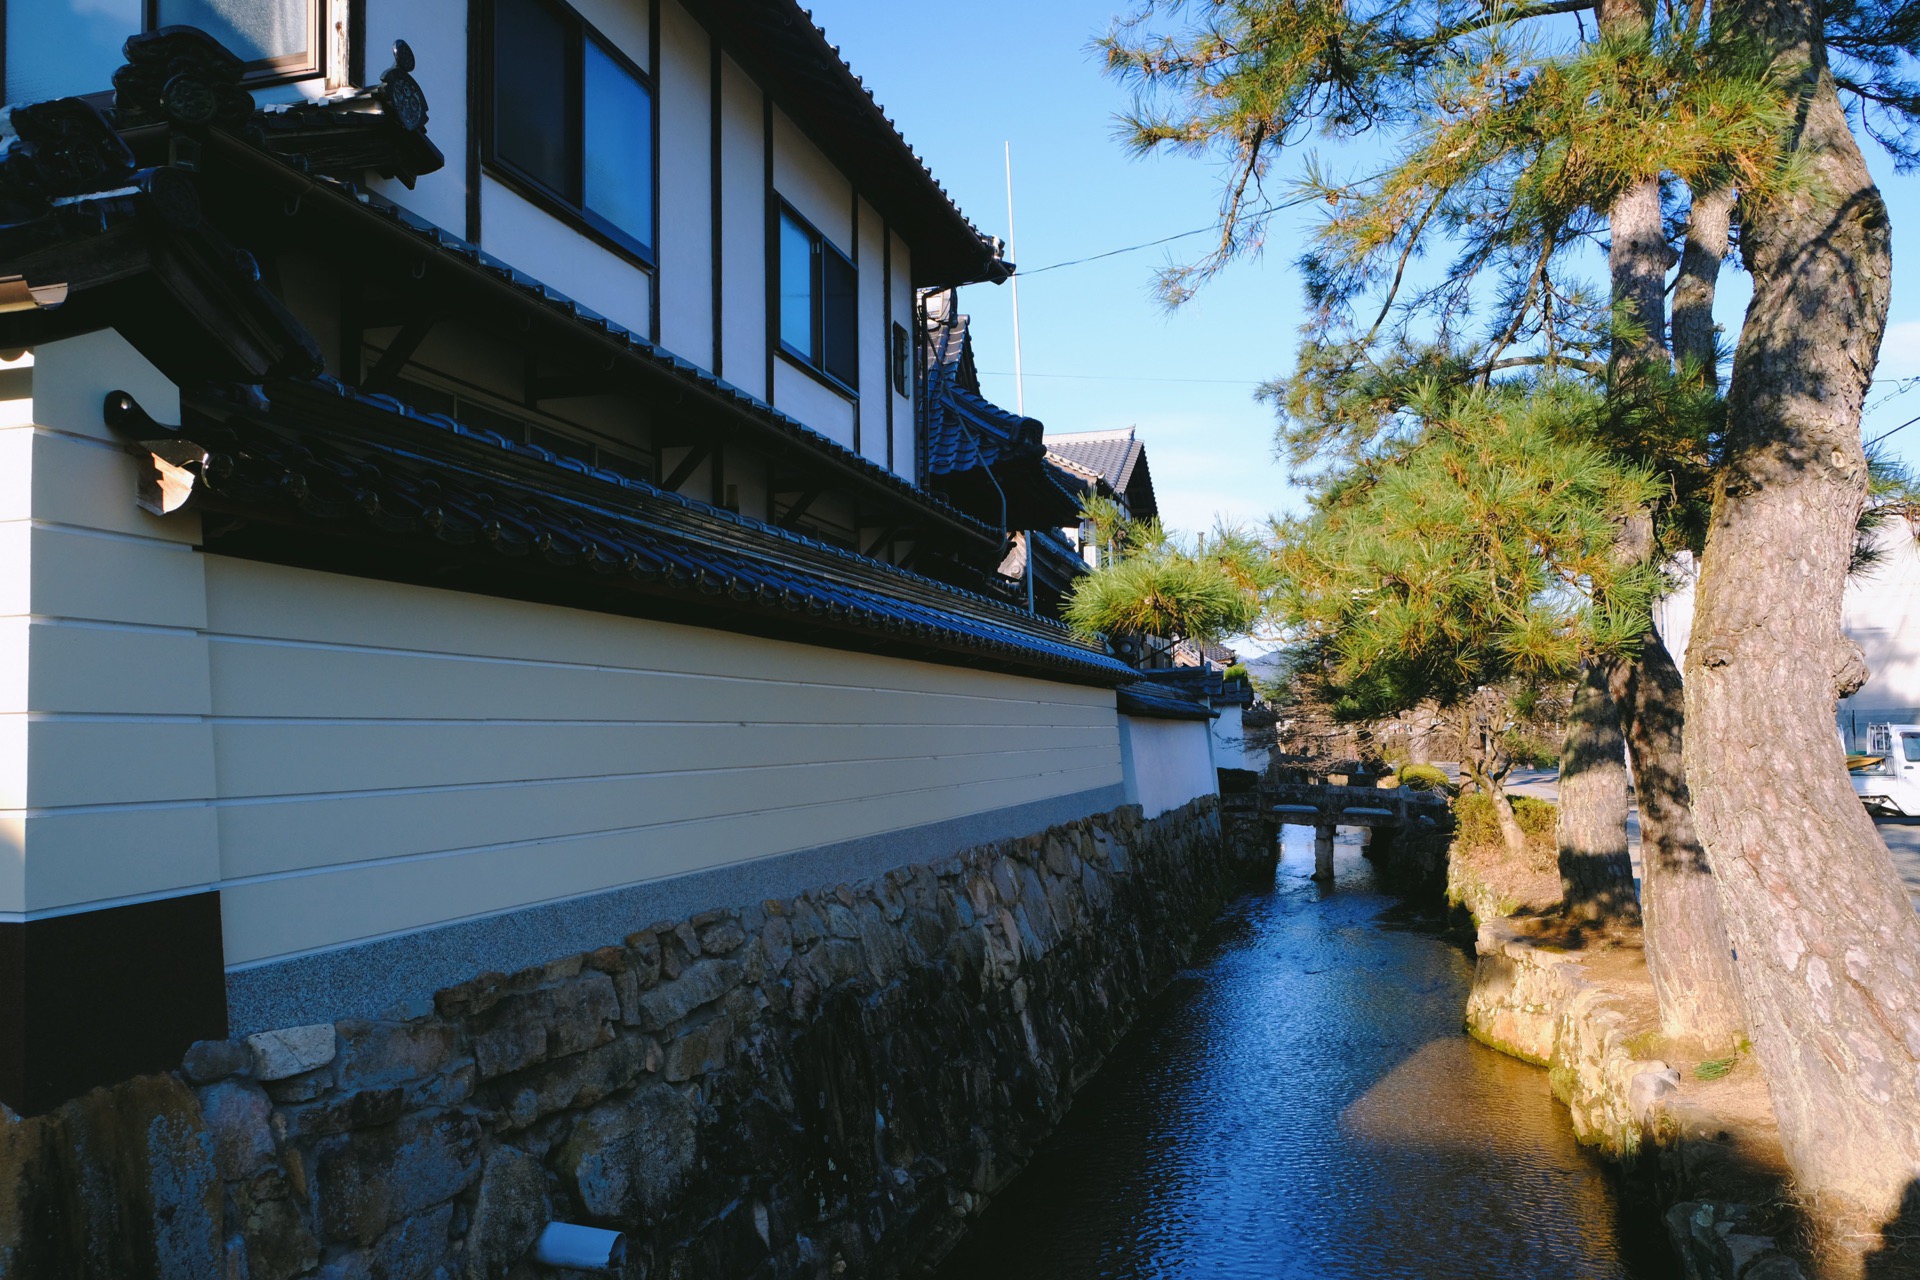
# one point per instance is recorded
(564, 1244)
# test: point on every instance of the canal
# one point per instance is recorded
(1303, 1103)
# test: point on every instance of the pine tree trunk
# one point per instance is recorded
(1596, 875)
(1709, 233)
(1827, 941)
(1686, 936)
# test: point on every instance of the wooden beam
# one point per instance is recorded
(688, 465)
(799, 508)
(886, 535)
(565, 386)
(399, 351)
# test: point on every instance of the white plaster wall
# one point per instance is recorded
(743, 221)
(554, 254)
(874, 372)
(808, 181)
(685, 252)
(901, 268)
(1166, 762)
(624, 22)
(437, 32)
(799, 394)
(1230, 749)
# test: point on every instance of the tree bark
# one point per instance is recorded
(1688, 955)
(1596, 875)
(1827, 941)
(1487, 764)
(1709, 233)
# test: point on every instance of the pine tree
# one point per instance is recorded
(1523, 138)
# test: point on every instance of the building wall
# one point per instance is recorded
(348, 760)
(1166, 762)
(1880, 612)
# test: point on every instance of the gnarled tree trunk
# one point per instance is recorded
(1686, 936)
(1827, 941)
(1596, 875)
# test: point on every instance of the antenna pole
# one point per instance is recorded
(1019, 386)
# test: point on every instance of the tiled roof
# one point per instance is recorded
(808, 77)
(1117, 457)
(1153, 700)
(341, 467)
(1108, 454)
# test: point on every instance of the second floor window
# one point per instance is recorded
(276, 37)
(819, 302)
(572, 121)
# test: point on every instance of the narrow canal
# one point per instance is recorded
(1304, 1104)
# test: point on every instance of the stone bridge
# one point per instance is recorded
(1325, 806)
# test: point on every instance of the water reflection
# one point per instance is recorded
(1304, 1105)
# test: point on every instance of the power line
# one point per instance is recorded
(1121, 377)
(1114, 253)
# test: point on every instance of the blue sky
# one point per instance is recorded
(1098, 351)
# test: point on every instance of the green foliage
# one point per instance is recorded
(1479, 828)
(1714, 1069)
(1424, 777)
(1482, 554)
(1157, 585)
(1237, 671)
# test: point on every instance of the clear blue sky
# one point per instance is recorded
(961, 79)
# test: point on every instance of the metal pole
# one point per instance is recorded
(1019, 386)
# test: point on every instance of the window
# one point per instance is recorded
(57, 48)
(902, 358)
(572, 122)
(819, 302)
(278, 38)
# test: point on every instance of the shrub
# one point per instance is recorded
(1238, 671)
(1480, 829)
(1423, 777)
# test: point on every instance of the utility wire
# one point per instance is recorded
(1121, 377)
(1114, 253)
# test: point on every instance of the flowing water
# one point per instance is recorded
(1304, 1104)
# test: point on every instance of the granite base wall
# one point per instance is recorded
(825, 1085)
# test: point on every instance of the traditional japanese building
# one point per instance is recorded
(477, 480)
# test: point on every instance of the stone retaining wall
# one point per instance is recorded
(830, 1085)
(1707, 1148)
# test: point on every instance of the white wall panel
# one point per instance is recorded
(437, 32)
(808, 181)
(800, 395)
(1167, 762)
(904, 435)
(389, 757)
(685, 102)
(873, 335)
(624, 22)
(743, 221)
(555, 254)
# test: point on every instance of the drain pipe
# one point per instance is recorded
(565, 1244)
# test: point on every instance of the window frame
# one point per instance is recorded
(817, 301)
(558, 204)
(288, 69)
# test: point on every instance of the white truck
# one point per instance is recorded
(1887, 777)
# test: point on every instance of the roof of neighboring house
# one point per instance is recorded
(777, 43)
(1153, 700)
(327, 476)
(1116, 457)
(977, 453)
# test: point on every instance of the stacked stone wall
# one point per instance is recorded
(830, 1085)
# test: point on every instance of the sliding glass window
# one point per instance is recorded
(572, 123)
(819, 320)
